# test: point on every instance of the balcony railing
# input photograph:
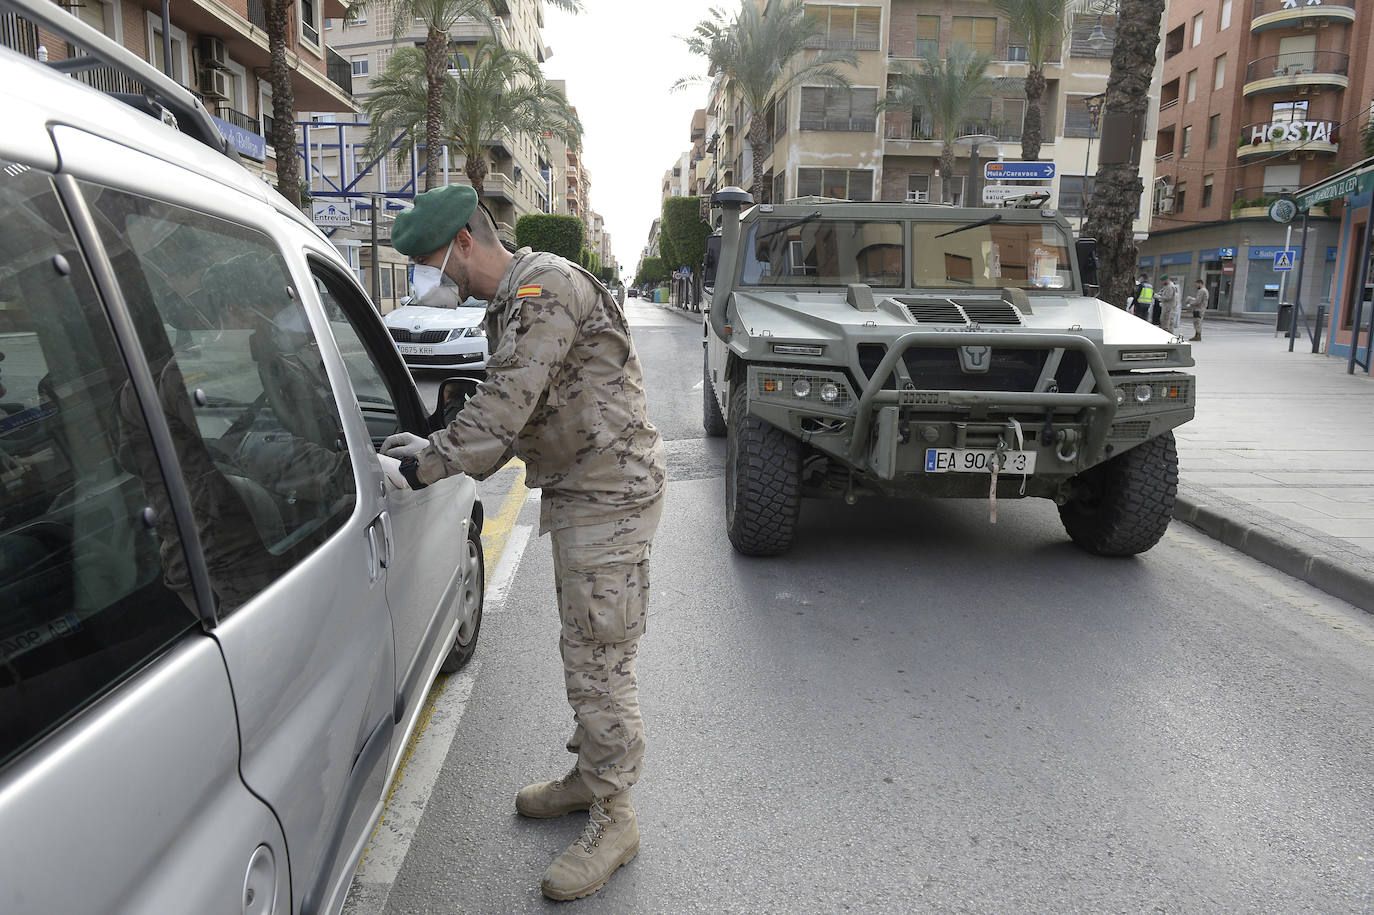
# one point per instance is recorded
(1279, 14)
(18, 33)
(899, 128)
(1298, 63)
(842, 44)
(237, 118)
(1274, 6)
(339, 71)
(256, 14)
(857, 125)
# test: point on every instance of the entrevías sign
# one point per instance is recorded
(1293, 132)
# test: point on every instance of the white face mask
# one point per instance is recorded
(426, 279)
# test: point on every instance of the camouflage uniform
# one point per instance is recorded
(564, 391)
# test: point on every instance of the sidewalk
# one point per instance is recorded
(1279, 462)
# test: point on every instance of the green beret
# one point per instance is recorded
(437, 216)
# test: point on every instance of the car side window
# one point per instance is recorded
(375, 397)
(89, 591)
(237, 366)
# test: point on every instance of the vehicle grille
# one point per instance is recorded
(1137, 429)
(938, 369)
(401, 335)
(938, 311)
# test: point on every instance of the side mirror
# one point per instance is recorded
(712, 260)
(1086, 249)
(453, 395)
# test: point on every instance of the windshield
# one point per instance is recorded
(824, 252)
(1026, 256)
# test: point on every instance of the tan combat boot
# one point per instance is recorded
(555, 798)
(610, 840)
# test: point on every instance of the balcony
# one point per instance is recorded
(851, 125)
(1253, 202)
(237, 118)
(1299, 71)
(499, 186)
(1295, 137)
(1286, 14)
(819, 42)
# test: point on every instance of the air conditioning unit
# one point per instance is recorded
(1166, 204)
(213, 84)
(212, 53)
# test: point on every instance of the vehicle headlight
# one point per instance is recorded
(801, 387)
(1143, 393)
(455, 334)
(477, 330)
(1120, 396)
(830, 392)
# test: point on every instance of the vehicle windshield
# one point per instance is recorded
(1024, 256)
(824, 252)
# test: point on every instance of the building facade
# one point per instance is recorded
(830, 142)
(1259, 98)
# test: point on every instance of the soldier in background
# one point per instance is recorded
(565, 393)
(1168, 305)
(1198, 303)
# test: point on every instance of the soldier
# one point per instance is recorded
(1198, 303)
(1167, 301)
(564, 391)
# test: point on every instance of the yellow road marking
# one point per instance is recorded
(495, 533)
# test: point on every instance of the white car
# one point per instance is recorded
(444, 337)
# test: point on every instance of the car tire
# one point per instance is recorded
(1123, 506)
(762, 482)
(470, 597)
(711, 419)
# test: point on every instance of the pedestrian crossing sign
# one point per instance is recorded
(1283, 260)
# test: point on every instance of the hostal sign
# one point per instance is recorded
(1293, 132)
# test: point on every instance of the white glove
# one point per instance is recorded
(404, 445)
(391, 469)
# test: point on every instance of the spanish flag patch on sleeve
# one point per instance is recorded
(528, 290)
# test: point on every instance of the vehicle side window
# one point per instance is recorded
(89, 593)
(239, 373)
(378, 403)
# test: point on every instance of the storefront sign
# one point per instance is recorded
(1267, 252)
(1169, 260)
(1216, 254)
(327, 213)
(244, 141)
(1145, 262)
(1293, 132)
(1341, 186)
(1331, 252)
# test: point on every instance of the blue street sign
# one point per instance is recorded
(1018, 171)
(1283, 260)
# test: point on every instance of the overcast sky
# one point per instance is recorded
(619, 59)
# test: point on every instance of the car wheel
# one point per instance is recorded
(712, 420)
(1122, 506)
(470, 603)
(762, 482)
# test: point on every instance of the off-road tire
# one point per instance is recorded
(711, 419)
(1124, 505)
(472, 598)
(762, 482)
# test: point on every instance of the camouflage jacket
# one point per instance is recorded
(564, 391)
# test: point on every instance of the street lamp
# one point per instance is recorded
(975, 188)
(1098, 39)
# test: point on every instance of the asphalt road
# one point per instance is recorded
(912, 711)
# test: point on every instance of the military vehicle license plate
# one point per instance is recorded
(977, 460)
(410, 349)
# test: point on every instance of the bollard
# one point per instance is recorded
(1317, 332)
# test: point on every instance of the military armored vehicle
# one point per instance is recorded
(859, 349)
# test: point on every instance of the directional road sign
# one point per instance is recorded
(1283, 260)
(1018, 171)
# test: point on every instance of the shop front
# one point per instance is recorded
(1346, 269)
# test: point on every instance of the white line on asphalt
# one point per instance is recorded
(505, 569)
(698, 386)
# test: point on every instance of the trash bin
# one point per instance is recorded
(1285, 318)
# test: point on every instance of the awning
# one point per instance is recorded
(1357, 179)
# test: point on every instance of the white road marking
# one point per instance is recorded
(505, 569)
(698, 386)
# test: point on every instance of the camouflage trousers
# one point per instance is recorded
(601, 572)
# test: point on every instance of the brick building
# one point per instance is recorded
(1259, 98)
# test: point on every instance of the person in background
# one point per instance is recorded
(1167, 300)
(1198, 303)
(1144, 298)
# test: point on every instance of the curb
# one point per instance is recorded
(1322, 562)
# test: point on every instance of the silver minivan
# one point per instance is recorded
(217, 621)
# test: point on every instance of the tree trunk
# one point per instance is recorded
(1116, 191)
(758, 142)
(436, 71)
(946, 173)
(476, 169)
(283, 102)
(1031, 130)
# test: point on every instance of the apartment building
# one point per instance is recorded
(219, 50)
(1258, 99)
(830, 142)
(520, 173)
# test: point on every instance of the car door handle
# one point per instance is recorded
(373, 557)
(388, 540)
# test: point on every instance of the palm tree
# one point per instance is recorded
(283, 139)
(1117, 188)
(500, 92)
(761, 55)
(438, 17)
(1043, 24)
(948, 91)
